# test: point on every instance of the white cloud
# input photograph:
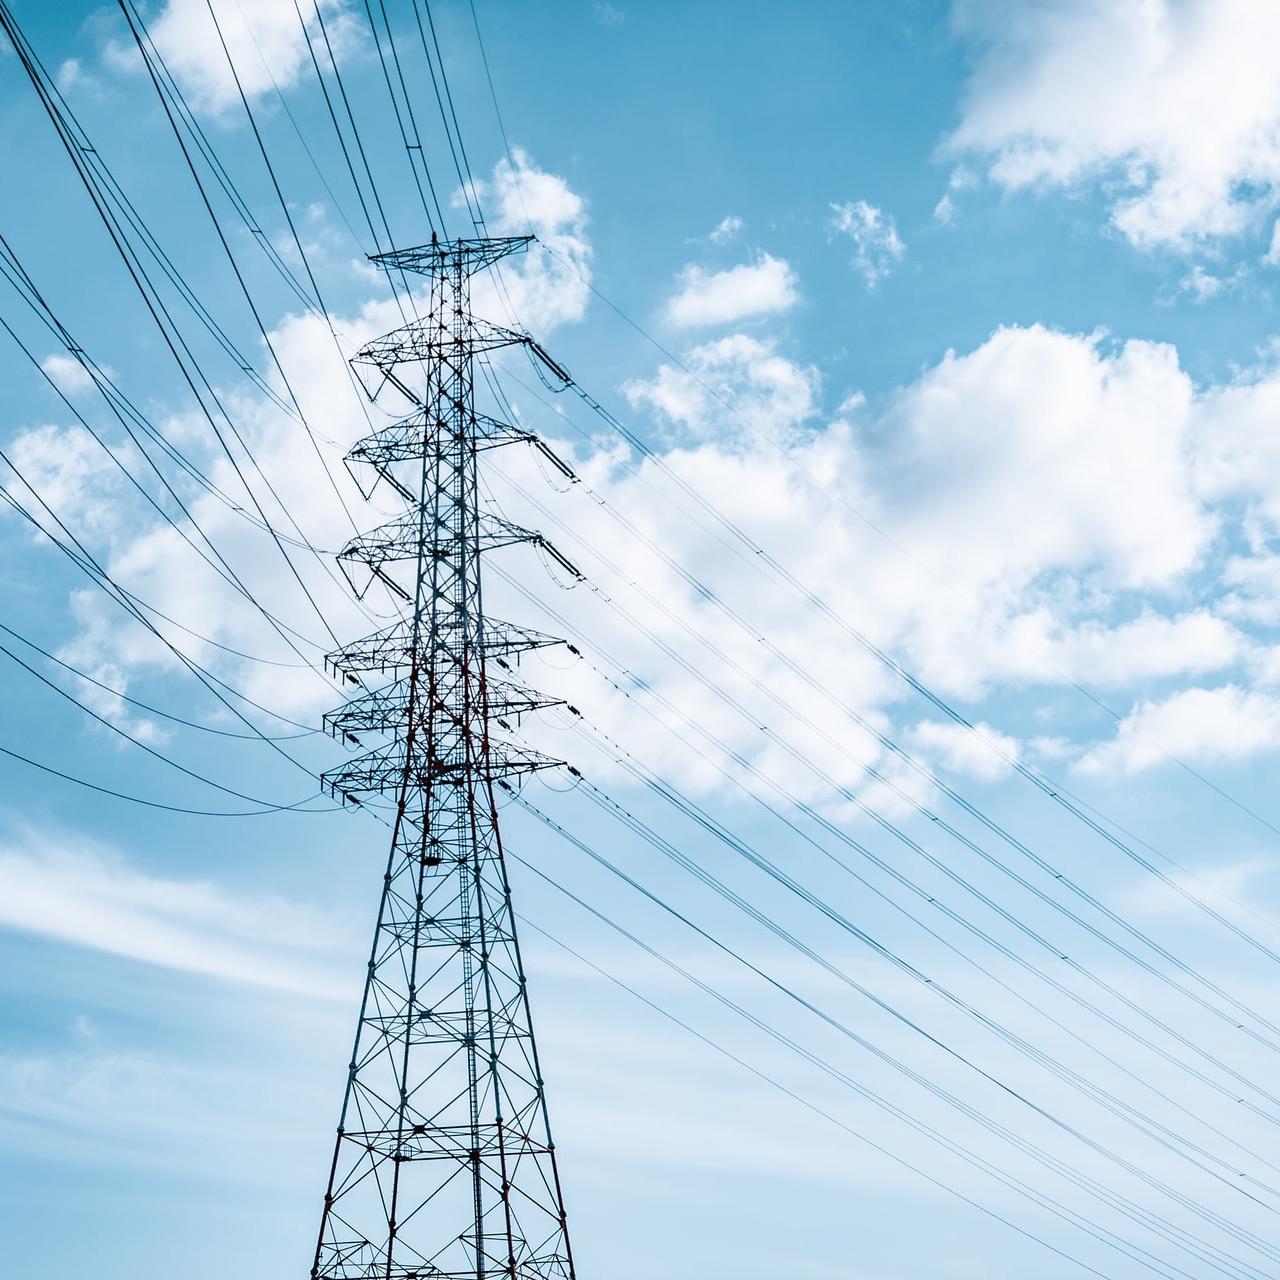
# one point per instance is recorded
(961, 179)
(1150, 646)
(726, 229)
(1201, 284)
(1266, 667)
(67, 373)
(1256, 588)
(1049, 480)
(1173, 106)
(764, 287)
(1036, 421)
(985, 755)
(265, 39)
(1272, 258)
(90, 897)
(729, 380)
(72, 473)
(877, 246)
(1195, 725)
(1238, 448)
(71, 76)
(1219, 886)
(549, 285)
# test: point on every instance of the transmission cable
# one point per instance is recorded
(1047, 786)
(1132, 1116)
(756, 555)
(79, 555)
(221, 567)
(143, 706)
(889, 744)
(156, 804)
(156, 307)
(1040, 1199)
(1098, 1190)
(1053, 1207)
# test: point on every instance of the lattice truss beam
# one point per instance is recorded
(443, 1164)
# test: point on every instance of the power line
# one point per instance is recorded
(1113, 1199)
(80, 556)
(1102, 1097)
(155, 804)
(143, 706)
(137, 32)
(756, 555)
(648, 778)
(212, 557)
(437, 223)
(61, 117)
(726, 661)
(126, 735)
(1024, 1189)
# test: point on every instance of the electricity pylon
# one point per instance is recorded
(444, 1164)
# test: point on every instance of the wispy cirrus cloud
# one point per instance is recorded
(89, 896)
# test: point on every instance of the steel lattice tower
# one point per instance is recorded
(444, 1164)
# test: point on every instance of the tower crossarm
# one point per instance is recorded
(409, 538)
(421, 434)
(433, 342)
(388, 770)
(469, 256)
(392, 649)
(386, 709)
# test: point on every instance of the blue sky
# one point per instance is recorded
(965, 313)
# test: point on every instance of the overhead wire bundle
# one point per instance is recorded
(1017, 907)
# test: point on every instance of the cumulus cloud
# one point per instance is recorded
(1173, 106)
(764, 287)
(1055, 483)
(265, 39)
(985, 755)
(1064, 489)
(549, 285)
(1239, 449)
(1149, 646)
(1038, 421)
(1201, 285)
(727, 384)
(1049, 480)
(72, 473)
(71, 77)
(1196, 725)
(1253, 584)
(877, 246)
(961, 179)
(68, 374)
